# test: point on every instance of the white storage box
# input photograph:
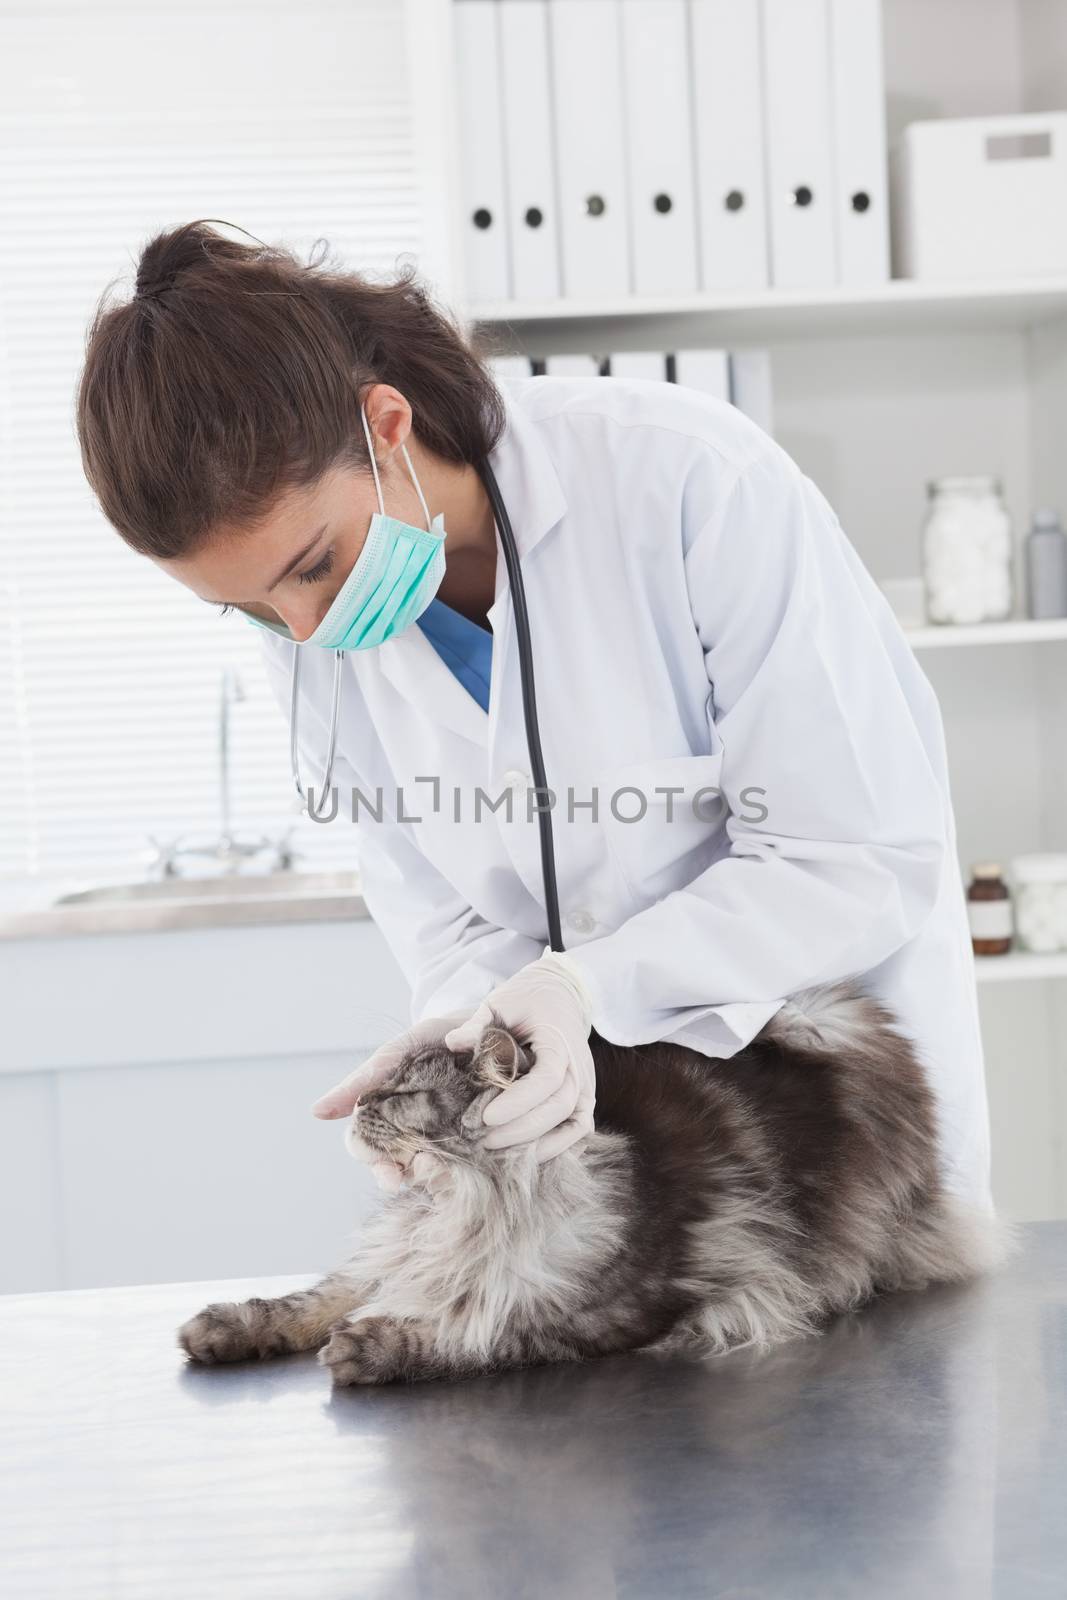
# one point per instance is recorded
(983, 197)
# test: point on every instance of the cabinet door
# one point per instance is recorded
(204, 1170)
(30, 1254)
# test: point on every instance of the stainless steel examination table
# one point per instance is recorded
(918, 1449)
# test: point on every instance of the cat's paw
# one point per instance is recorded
(361, 1352)
(218, 1333)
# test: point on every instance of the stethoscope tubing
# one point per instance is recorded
(529, 711)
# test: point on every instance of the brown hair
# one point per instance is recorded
(236, 372)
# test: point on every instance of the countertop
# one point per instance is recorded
(50, 909)
(917, 1449)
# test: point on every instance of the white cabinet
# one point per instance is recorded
(154, 1121)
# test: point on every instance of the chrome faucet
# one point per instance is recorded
(232, 693)
(227, 850)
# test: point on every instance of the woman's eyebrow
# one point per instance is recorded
(295, 562)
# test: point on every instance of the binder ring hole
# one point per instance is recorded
(534, 216)
(734, 200)
(663, 203)
(482, 218)
(802, 196)
(861, 200)
(595, 205)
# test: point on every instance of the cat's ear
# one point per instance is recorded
(500, 1058)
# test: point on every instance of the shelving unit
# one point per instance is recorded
(875, 392)
(771, 315)
(1018, 965)
(1017, 630)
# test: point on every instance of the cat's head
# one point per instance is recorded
(431, 1104)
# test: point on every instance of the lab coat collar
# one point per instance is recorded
(527, 476)
(533, 494)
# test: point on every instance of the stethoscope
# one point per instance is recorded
(529, 708)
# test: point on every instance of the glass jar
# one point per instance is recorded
(1041, 901)
(966, 551)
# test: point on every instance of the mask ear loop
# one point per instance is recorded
(411, 472)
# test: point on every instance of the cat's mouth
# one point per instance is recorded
(369, 1137)
(392, 1158)
(371, 1129)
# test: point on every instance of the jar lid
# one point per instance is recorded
(1040, 868)
(963, 486)
(986, 869)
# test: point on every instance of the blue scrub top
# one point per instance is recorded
(464, 647)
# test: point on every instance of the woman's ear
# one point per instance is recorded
(500, 1058)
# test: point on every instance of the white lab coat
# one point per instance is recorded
(700, 621)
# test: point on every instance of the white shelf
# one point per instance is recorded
(1019, 964)
(1018, 630)
(765, 316)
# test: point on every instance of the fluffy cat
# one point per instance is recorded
(717, 1204)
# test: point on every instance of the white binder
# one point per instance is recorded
(510, 366)
(750, 386)
(531, 179)
(481, 139)
(860, 199)
(568, 365)
(638, 364)
(708, 370)
(586, 68)
(727, 88)
(659, 146)
(796, 78)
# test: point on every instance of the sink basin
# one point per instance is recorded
(262, 886)
(225, 901)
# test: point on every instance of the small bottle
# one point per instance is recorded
(1046, 567)
(989, 910)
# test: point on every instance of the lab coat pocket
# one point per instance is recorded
(664, 820)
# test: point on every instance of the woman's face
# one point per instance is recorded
(290, 566)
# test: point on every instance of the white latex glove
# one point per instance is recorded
(340, 1101)
(549, 1005)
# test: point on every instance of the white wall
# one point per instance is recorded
(950, 58)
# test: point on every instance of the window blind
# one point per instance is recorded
(117, 120)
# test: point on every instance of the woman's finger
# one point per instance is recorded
(559, 1139)
(531, 1124)
(545, 1077)
(340, 1101)
(468, 1034)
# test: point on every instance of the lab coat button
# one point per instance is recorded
(581, 921)
(514, 779)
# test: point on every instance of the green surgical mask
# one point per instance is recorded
(395, 576)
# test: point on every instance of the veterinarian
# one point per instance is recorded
(747, 763)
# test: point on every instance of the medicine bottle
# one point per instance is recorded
(989, 910)
(1046, 567)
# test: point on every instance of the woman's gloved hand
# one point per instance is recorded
(340, 1101)
(548, 1004)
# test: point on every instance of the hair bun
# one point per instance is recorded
(147, 288)
(171, 254)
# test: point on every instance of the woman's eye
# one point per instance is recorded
(321, 569)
